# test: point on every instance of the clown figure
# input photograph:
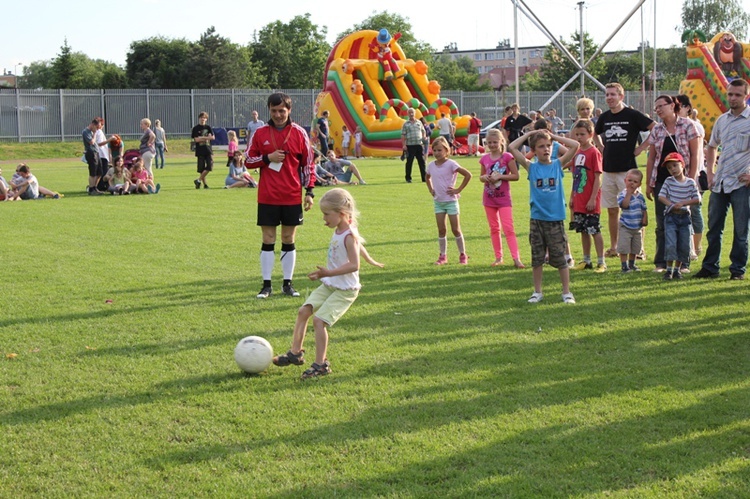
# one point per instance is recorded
(382, 49)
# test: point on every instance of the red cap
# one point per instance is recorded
(674, 156)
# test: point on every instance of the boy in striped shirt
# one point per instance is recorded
(633, 217)
(677, 195)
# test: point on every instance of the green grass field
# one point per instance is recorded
(446, 382)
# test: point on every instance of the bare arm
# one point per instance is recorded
(513, 148)
(572, 148)
(710, 160)
(467, 176)
(352, 252)
(363, 252)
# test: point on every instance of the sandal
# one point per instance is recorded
(290, 358)
(317, 370)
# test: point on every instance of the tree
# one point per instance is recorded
(216, 62)
(395, 23)
(158, 63)
(63, 68)
(558, 68)
(292, 55)
(714, 16)
(38, 74)
(458, 74)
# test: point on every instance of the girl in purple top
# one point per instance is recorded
(498, 168)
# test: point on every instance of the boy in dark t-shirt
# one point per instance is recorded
(202, 136)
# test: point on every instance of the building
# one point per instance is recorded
(498, 65)
(8, 80)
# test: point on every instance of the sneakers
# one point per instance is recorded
(265, 292)
(149, 189)
(289, 358)
(536, 298)
(158, 188)
(705, 274)
(627, 270)
(463, 259)
(289, 291)
(205, 185)
(568, 298)
(94, 192)
(317, 370)
(442, 260)
(734, 277)
(197, 183)
(676, 274)
(641, 255)
(583, 266)
(668, 275)
(635, 268)
(571, 263)
(600, 268)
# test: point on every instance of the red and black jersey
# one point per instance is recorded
(283, 187)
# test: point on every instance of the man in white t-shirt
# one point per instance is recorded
(252, 126)
(446, 129)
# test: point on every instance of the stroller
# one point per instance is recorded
(129, 156)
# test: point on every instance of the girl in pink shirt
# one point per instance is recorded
(498, 168)
(441, 180)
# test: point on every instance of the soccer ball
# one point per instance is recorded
(253, 354)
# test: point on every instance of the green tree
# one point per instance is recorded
(292, 55)
(395, 23)
(715, 16)
(158, 62)
(458, 74)
(64, 68)
(216, 62)
(558, 68)
(38, 74)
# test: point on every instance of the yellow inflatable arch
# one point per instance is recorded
(358, 92)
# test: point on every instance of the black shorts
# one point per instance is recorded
(272, 215)
(205, 164)
(92, 159)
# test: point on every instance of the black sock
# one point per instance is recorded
(266, 284)
(287, 282)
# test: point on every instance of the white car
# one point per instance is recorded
(616, 131)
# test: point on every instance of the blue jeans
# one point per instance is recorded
(677, 232)
(159, 154)
(718, 207)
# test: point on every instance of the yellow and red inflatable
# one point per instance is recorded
(358, 92)
(711, 66)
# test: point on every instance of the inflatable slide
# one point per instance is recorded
(369, 83)
(710, 68)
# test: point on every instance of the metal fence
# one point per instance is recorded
(60, 115)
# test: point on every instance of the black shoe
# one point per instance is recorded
(736, 277)
(197, 183)
(668, 275)
(705, 274)
(676, 274)
(205, 186)
(289, 291)
(408, 181)
(265, 292)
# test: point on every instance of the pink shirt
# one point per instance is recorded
(496, 195)
(443, 177)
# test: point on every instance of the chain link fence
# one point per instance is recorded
(60, 115)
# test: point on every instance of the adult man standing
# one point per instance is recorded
(730, 184)
(515, 123)
(252, 126)
(202, 135)
(617, 131)
(323, 130)
(556, 121)
(282, 153)
(475, 124)
(412, 133)
(91, 153)
(446, 129)
(103, 145)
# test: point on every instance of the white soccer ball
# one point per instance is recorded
(253, 354)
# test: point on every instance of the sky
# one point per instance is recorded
(104, 29)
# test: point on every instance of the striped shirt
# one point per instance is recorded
(632, 216)
(685, 131)
(678, 192)
(732, 133)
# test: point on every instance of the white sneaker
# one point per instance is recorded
(568, 298)
(536, 298)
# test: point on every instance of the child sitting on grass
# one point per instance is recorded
(144, 183)
(27, 186)
(547, 199)
(340, 283)
(7, 193)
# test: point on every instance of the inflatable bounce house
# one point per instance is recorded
(369, 83)
(711, 66)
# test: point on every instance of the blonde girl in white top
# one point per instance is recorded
(340, 283)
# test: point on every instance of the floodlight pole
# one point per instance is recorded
(580, 12)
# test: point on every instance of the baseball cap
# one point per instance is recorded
(674, 156)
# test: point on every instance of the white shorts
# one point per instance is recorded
(473, 139)
(612, 185)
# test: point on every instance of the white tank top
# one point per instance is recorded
(336, 258)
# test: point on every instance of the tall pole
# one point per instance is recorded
(580, 8)
(654, 85)
(643, 66)
(515, 43)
